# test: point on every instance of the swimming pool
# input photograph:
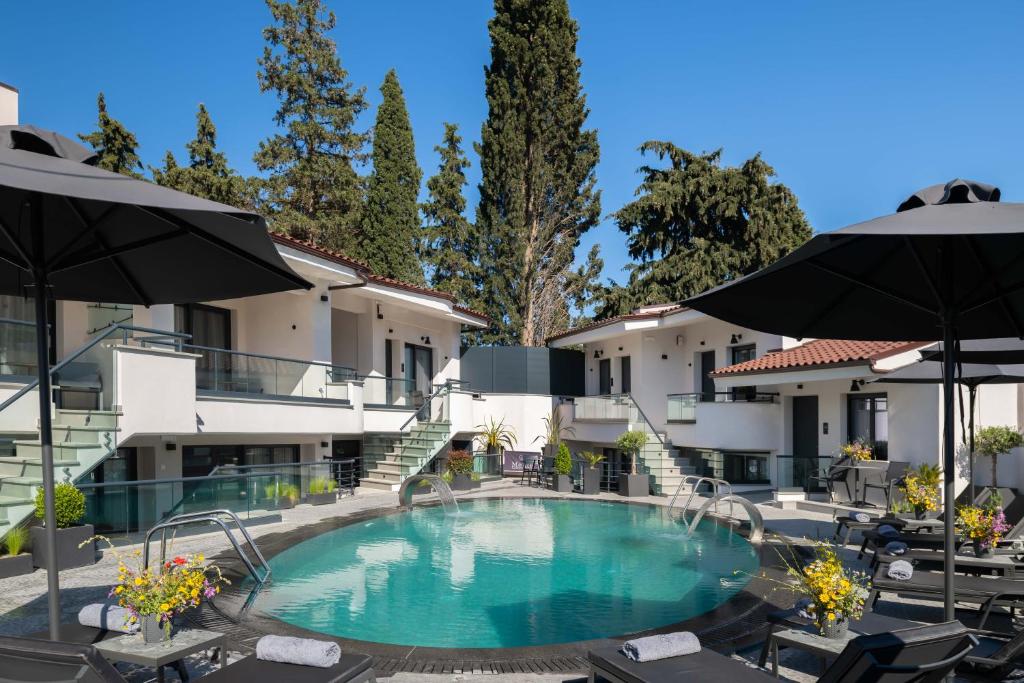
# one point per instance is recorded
(506, 573)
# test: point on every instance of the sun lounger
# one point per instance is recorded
(78, 634)
(352, 668)
(995, 656)
(706, 666)
(984, 591)
(24, 659)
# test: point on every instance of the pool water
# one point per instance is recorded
(506, 573)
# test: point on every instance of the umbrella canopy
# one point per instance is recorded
(987, 351)
(69, 230)
(948, 264)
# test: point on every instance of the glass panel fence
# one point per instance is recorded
(395, 392)
(682, 407)
(17, 348)
(796, 471)
(613, 408)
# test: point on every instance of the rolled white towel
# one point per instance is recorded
(802, 608)
(109, 617)
(901, 570)
(862, 517)
(302, 651)
(888, 531)
(895, 548)
(661, 647)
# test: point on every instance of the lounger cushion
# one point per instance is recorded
(705, 666)
(250, 670)
(932, 582)
(77, 633)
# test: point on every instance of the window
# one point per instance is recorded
(869, 422)
(18, 342)
(741, 354)
(210, 327)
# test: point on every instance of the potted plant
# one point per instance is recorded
(460, 466)
(496, 436)
(282, 496)
(322, 491)
(856, 450)
(554, 431)
(920, 489)
(591, 473)
(155, 595)
(633, 483)
(984, 526)
(561, 481)
(833, 594)
(995, 441)
(73, 550)
(15, 562)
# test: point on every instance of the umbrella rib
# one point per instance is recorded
(992, 277)
(86, 256)
(90, 227)
(199, 233)
(924, 270)
(1003, 306)
(26, 262)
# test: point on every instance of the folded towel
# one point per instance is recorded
(862, 517)
(109, 617)
(303, 651)
(901, 570)
(888, 531)
(802, 608)
(895, 548)
(661, 647)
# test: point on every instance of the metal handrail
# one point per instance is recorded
(647, 421)
(735, 396)
(264, 356)
(441, 388)
(125, 329)
(696, 480)
(212, 517)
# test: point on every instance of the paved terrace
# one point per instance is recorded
(23, 609)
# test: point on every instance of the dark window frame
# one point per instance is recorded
(851, 399)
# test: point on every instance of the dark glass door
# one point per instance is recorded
(741, 354)
(805, 440)
(210, 327)
(868, 421)
(627, 381)
(419, 368)
(707, 383)
(604, 371)
(389, 372)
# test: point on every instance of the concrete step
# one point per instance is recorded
(387, 466)
(19, 487)
(21, 467)
(378, 484)
(384, 475)
(62, 432)
(87, 418)
(65, 450)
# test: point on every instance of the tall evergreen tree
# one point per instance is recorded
(208, 174)
(449, 246)
(697, 224)
(312, 190)
(115, 144)
(538, 163)
(390, 222)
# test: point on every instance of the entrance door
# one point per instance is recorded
(389, 372)
(868, 421)
(419, 368)
(627, 384)
(210, 327)
(604, 371)
(805, 441)
(707, 383)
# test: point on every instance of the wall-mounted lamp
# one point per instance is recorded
(390, 331)
(680, 339)
(702, 342)
(425, 340)
(324, 444)
(855, 384)
(620, 348)
(664, 356)
(799, 386)
(324, 298)
(293, 327)
(736, 338)
(380, 316)
(170, 446)
(596, 354)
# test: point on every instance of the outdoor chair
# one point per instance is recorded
(995, 656)
(352, 668)
(887, 485)
(984, 591)
(531, 469)
(838, 480)
(872, 477)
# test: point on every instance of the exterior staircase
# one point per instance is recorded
(408, 455)
(664, 463)
(81, 440)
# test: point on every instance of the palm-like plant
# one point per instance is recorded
(496, 436)
(555, 429)
(593, 459)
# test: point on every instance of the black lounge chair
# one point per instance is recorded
(984, 591)
(77, 634)
(706, 666)
(24, 659)
(995, 656)
(352, 668)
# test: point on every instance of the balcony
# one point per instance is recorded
(683, 408)
(605, 408)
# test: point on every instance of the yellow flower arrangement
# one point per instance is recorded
(983, 526)
(921, 496)
(857, 450)
(836, 593)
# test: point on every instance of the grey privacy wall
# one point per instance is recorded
(523, 370)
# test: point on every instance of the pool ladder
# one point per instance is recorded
(695, 480)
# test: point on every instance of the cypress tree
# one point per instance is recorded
(390, 222)
(115, 144)
(449, 246)
(697, 224)
(312, 190)
(208, 174)
(538, 163)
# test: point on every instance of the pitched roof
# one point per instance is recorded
(821, 352)
(644, 313)
(365, 271)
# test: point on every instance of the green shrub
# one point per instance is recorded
(460, 462)
(320, 485)
(68, 503)
(289, 491)
(15, 540)
(995, 441)
(563, 460)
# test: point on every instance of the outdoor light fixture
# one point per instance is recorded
(620, 348)
(380, 316)
(664, 356)
(734, 340)
(855, 385)
(324, 298)
(596, 354)
(324, 444)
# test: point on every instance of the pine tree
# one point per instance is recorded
(312, 190)
(390, 221)
(697, 224)
(449, 246)
(208, 174)
(115, 144)
(537, 196)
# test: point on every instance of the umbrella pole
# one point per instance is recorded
(971, 391)
(46, 449)
(949, 466)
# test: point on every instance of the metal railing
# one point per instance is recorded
(435, 407)
(694, 481)
(795, 471)
(302, 474)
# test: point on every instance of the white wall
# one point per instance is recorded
(155, 389)
(8, 105)
(239, 416)
(524, 413)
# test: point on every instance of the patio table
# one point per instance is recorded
(134, 650)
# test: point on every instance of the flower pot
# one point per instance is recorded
(69, 555)
(153, 631)
(285, 503)
(920, 513)
(634, 485)
(562, 483)
(461, 482)
(834, 628)
(322, 498)
(591, 481)
(15, 565)
(982, 550)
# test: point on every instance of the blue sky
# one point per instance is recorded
(855, 104)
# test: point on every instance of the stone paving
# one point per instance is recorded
(23, 609)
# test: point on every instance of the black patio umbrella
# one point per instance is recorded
(69, 230)
(989, 351)
(970, 375)
(949, 264)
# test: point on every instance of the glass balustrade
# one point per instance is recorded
(682, 407)
(391, 392)
(610, 408)
(793, 471)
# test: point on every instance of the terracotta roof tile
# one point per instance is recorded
(821, 352)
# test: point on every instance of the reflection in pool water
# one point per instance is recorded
(506, 573)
